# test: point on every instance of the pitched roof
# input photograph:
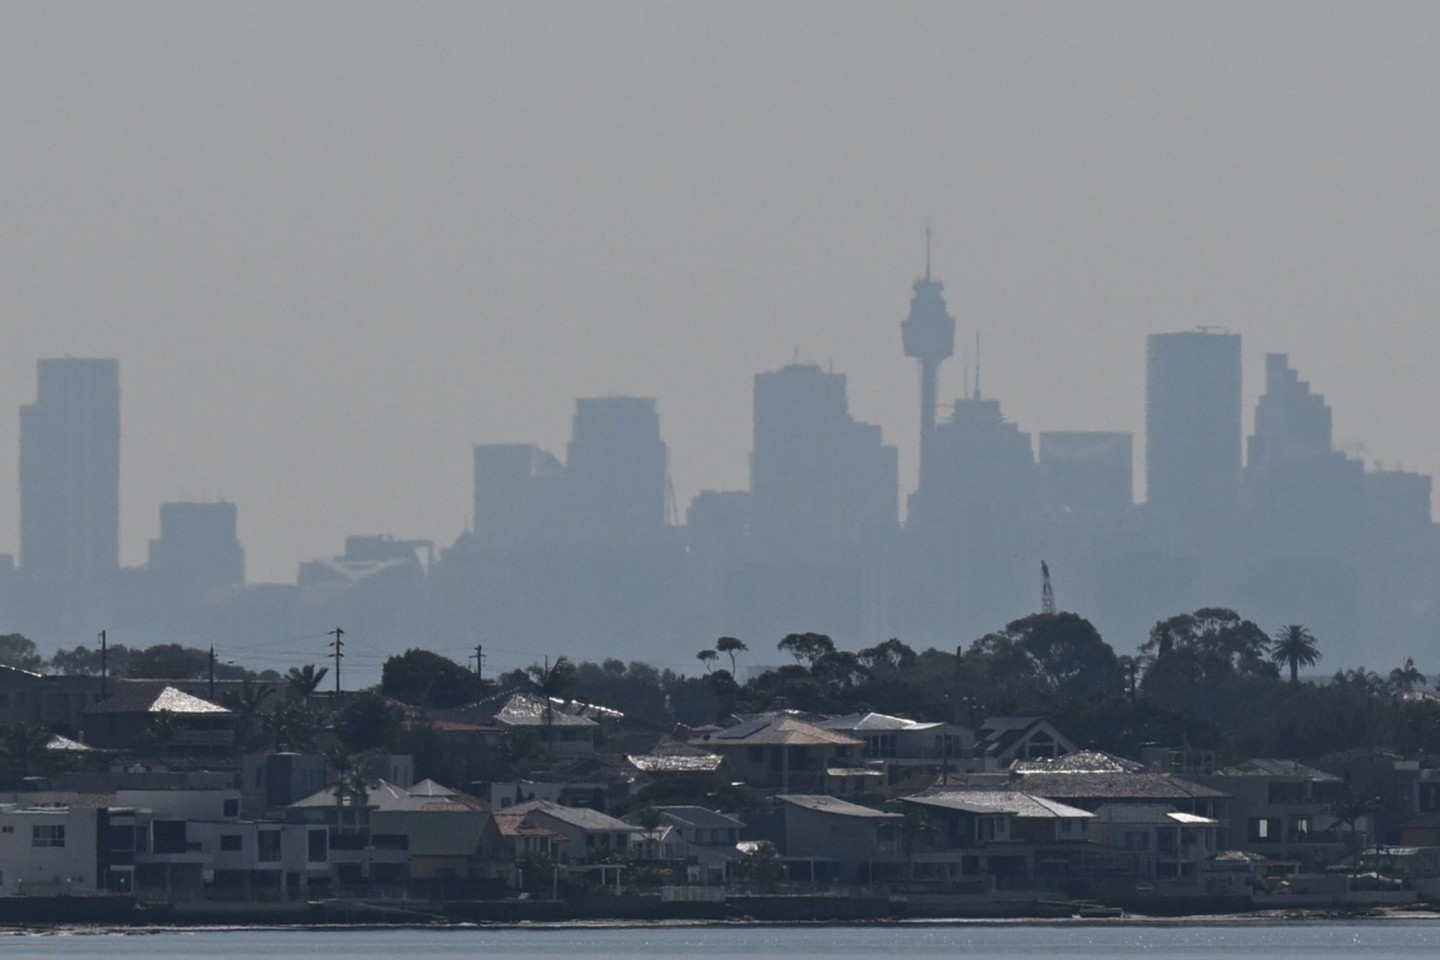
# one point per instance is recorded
(702, 817)
(1083, 761)
(427, 796)
(582, 817)
(1115, 786)
(874, 723)
(1148, 813)
(516, 709)
(1277, 768)
(1019, 803)
(697, 762)
(145, 698)
(515, 825)
(778, 731)
(835, 806)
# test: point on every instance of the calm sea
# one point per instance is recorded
(1283, 941)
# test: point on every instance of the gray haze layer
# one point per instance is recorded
(335, 245)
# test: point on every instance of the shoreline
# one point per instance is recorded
(1287, 918)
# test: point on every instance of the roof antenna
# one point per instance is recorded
(927, 253)
(977, 364)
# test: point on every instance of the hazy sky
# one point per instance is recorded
(336, 244)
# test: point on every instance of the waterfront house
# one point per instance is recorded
(1009, 839)
(826, 838)
(780, 752)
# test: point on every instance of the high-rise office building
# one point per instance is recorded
(1192, 429)
(70, 475)
(197, 549)
(1087, 474)
(616, 470)
(517, 495)
(818, 477)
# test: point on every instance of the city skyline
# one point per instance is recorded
(355, 254)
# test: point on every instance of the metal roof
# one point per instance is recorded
(779, 731)
(1017, 802)
(835, 806)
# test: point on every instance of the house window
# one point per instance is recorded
(230, 841)
(1263, 830)
(1300, 828)
(268, 846)
(318, 846)
(47, 835)
(1137, 840)
(7, 829)
(231, 807)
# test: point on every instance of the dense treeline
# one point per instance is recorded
(1209, 680)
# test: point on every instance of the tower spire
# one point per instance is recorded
(928, 334)
(977, 364)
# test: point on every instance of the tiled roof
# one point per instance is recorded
(835, 806)
(1083, 761)
(677, 763)
(779, 731)
(1017, 802)
(1116, 786)
(151, 699)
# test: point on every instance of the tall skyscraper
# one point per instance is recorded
(1087, 474)
(928, 334)
(616, 470)
(1192, 429)
(517, 495)
(818, 478)
(972, 551)
(70, 475)
(197, 549)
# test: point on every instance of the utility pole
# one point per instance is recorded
(212, 673)
(337, 645)
(104, 665)
(1047, 592)
(480, 660)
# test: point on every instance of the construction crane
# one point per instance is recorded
(1047, 592)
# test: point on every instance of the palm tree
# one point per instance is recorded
(1407, 678)
(1295, 647)
(551, 681)
(303, 681)
(707, 657)
(730, 646)
(249, 705)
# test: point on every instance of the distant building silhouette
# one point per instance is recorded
(70, 474)
(971, 532)
(928, 334)
(1088, 474)
(823, 510)
(616, 471)
(818, 477)
(1299, 548)
(197, 549)
(69, 496)
(518, 491)
(1192, 429)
